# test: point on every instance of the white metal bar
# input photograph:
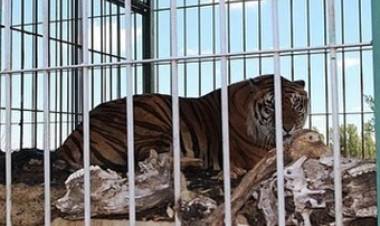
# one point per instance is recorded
(86, 117)
(335, 116)
(224, 106)
(7, 10)
(186, 58)
(129, 110)
(175, 107)
(46, 99)
(278, 116)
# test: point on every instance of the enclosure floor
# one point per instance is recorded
(100, 222)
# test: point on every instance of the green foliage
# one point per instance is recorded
(352, 144)
(369, 140)
(355, 144)
(371, 102)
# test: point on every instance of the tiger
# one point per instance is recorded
(251, 126)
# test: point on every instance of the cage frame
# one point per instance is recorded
(332, 47)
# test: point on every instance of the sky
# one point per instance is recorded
(196, 37)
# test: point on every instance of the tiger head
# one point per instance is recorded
(261, 114)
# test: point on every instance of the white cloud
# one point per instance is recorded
(349, 62)
(113, 39)
(238, 5)
(248, 5)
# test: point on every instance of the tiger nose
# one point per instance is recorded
(287, 128)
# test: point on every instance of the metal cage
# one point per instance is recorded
(64, 59)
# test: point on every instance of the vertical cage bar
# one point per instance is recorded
(361, 80)
(60, 75)
(135, 50)
(259, 34)
(86, 116)
(69, 72)
(92, 53)
(118, 82)
(229, 40)
(56, 21)
(345, 138)
(278, 116)
(244, 21)
(35, 75)
(213, 45)
(79, 58)
(175, 107)
(325, 41)
(308, 41)
(7, 10)
(335, 116)
(129, 99)
(22, 43)
(376, 75)
(148, 48)
(291, 13)
(46, 99)
(199, 49)
(224, 105)
(71, 88)
(110, 50)
(157, 53)
(185, 46)
(102, 50)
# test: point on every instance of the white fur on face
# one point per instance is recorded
(260, 121)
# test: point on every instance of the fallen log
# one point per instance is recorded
(308, 184)
(310, 194)
(309, 188)
(109, 194)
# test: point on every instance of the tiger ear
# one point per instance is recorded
(252, 83)
(300, 82)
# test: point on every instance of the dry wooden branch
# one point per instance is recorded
(309, 188)
(109, 193)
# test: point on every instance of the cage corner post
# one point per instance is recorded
(376, 71)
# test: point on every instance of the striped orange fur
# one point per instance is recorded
(251, 121)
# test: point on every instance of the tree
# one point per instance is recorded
(353, 145)
(369, 140)
(371, 102)
(350, 142)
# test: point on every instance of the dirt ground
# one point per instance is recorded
(28, 193)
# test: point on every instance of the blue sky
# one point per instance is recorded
(347, 34)
(203, 73)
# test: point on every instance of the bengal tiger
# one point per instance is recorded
(251, 126)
